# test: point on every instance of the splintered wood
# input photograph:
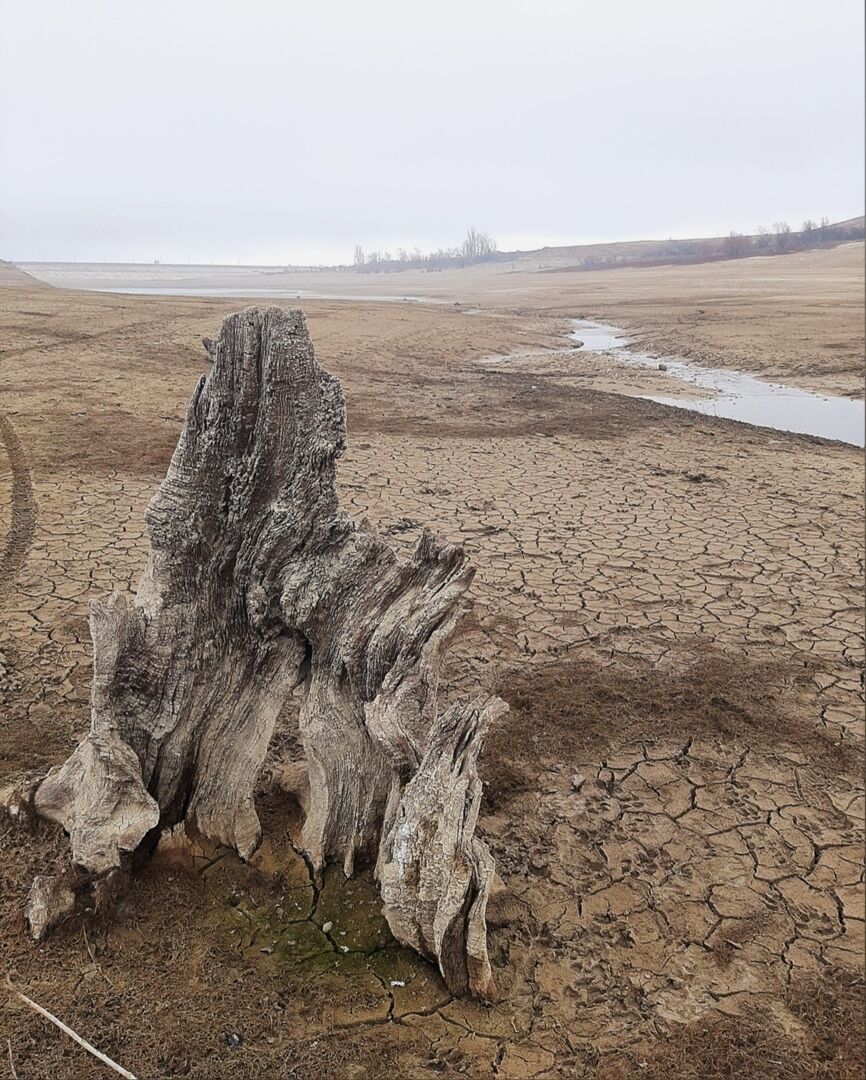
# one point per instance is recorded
(259, 585)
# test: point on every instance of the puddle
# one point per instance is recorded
(737, 396)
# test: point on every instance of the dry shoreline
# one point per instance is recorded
(796, 319)
(672, 604)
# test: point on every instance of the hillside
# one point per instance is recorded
(695, 250)
(11, 275)
(781, 239)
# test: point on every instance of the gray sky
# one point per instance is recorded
(276, 131)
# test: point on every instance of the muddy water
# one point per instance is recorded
(736, 395)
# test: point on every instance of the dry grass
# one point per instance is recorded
(830, 1045)
(575, 709)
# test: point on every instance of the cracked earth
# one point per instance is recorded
(672, 605)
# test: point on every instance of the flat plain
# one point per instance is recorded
(672, 604)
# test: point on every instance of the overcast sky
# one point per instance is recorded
(274, 131)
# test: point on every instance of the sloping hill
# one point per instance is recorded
(697, 250)
(851, 223)
(11, 275)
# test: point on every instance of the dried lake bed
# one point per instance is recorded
(671, 602)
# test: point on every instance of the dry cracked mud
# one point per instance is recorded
(672, 605)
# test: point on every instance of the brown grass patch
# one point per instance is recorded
(831, 1045)
(572, 710)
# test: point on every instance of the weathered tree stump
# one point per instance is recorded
(259, 584)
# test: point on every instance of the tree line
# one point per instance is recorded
(476, 247)
(781, 237)
(775, 240)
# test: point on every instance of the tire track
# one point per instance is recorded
(23, 525)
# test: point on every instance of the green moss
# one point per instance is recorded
(283, 934)
(353, 909)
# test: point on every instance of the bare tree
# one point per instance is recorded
(782, 231)
(735, 245)
(477, 244)
(359, 259)
(470, 244)
(762, 237)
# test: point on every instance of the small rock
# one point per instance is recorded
(327, 927)
(232, 1040)
(663, 367)
(397, 982)
(577, 781)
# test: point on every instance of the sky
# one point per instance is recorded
(271, 131)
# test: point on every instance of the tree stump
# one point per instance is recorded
(259, 585)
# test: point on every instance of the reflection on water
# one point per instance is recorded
(738, 396)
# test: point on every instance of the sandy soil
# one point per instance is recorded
(798, 319)
(671, 603)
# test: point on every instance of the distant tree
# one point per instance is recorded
(735, 245)
(810, 234)
(782, 231)
(477, 244)
(824, 228)
(762, 237)
(470, 244)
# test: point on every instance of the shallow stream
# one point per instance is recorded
(737, 396)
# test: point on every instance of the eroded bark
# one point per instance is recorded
(434, 873)
(258, 583)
